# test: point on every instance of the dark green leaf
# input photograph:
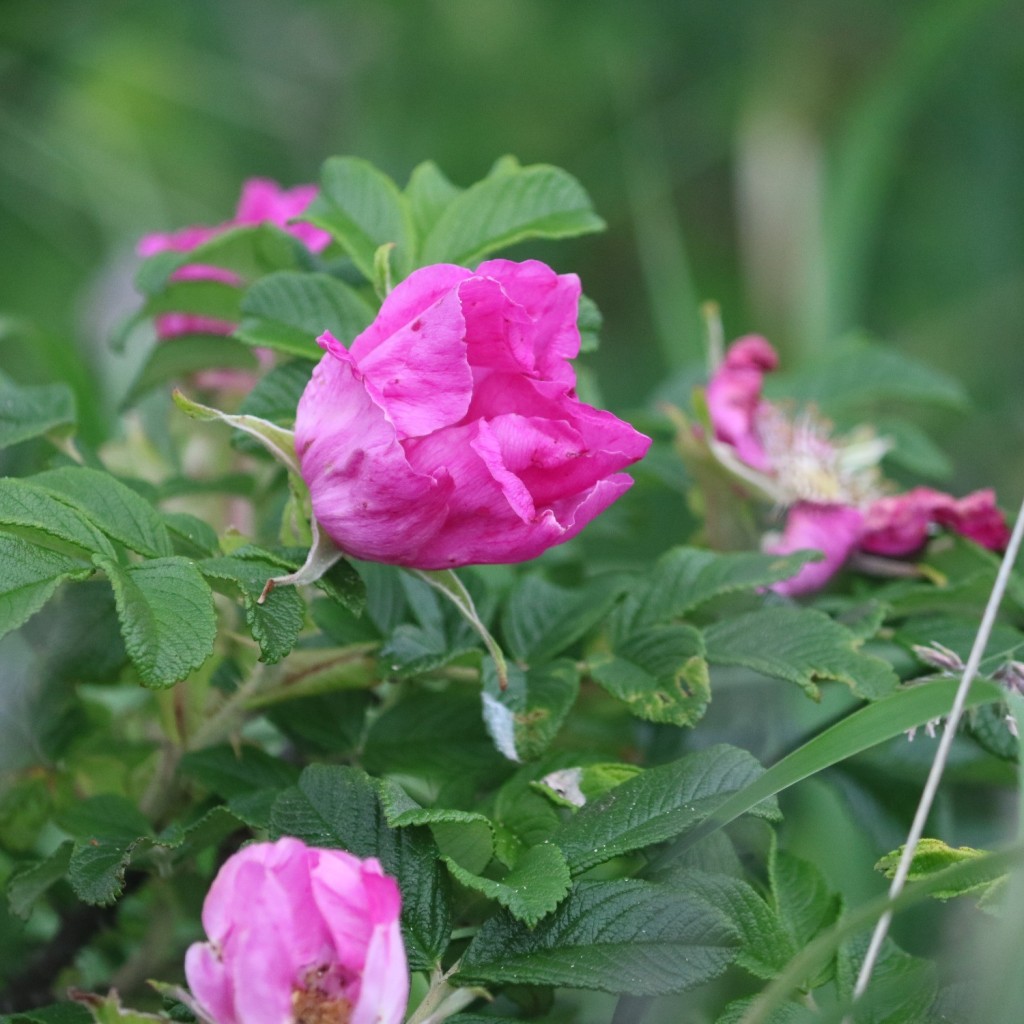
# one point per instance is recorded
(27, 884)
(627, 936)
(167, 616)
(39, 515)
(529, 202)
(278, 391)
(802, 645)
(28, 411)
(57, 1013)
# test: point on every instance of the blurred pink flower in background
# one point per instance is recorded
(299, 934)
(450, 434)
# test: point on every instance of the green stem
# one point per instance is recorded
(443, 1000)
(446, 582)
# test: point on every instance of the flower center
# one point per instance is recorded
(315, 1003)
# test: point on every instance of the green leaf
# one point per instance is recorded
(28, 411)
(167, 617)
(660, 673)
(28, 884)
(108, 1009)
(190, 534)
(275, 624)
(229, 771)
(524, 718)
(530, 202)
(339, 807)
(428, 193)
(626, 936)
(116, 509)
(902, 990)
(57, 1013)
(589, 321)
(289, 310)
(534, 887)
(913, 449)
(176, 359)
(38, 514)
(28, 577)
(685, 578)
(801, 645)
(277, 393)
(788, 1013)
(930, 856)
(658, 804)
(541, 619)
(363, 209)
(107, 829)
(214, 299)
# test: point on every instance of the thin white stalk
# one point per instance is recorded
(941, 755)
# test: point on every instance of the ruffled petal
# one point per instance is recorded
(209, 984)
(830, 529)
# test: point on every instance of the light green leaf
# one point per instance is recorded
(660, 673)
(42, 517)
(167, 616)
(589, 321)
(176, 359)
(363, 209)
(108, 1009)
(276, 623)
(28, 411)
(28, 577)
(658, 804)
(429, 193)
(802, 645)
(116, 509)
(529, 202)
(534, 887)
(627, 936)
(930, 856)
(277, 393)
(289, 310)
(214, 299)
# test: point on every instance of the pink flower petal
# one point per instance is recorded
(830, 529)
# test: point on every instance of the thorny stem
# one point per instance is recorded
(443, 1000)
(941, 755)
(448, 583)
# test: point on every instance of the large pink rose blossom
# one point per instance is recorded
(262, 202)
(450, 433)
(299, 934)
(830, 485)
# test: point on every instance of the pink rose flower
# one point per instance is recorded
(450, 433)
(833, 530)
(262, 202)
(734, 398)
(299, 934)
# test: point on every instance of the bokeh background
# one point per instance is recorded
(815, 166)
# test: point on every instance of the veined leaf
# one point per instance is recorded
(528, 202)
(429, 193)
(627, 936)
(28, 411)
(33, 511)
(277, 393)
(167, 616)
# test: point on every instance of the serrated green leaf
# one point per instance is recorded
(338, 807)
(534, 887)
(108, 1009)
(289, 310)
(428, 193)
(902, 990)
(788, 1013)
(35, 512)
(229, 771)
(167, 617)
(626, 937)
(541, 619)
(176, 359)
(57, 1013)
(658, 804)
(116, 509)
(275, 624)
(530, 202)
(191, 535)
(276, 395)
(933, 855)
(802, 645)
(660, 673)
(27, 884)
(362, 208)
(28, 411)
(685, 578)
(28, 577)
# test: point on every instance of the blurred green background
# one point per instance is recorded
(813, 165)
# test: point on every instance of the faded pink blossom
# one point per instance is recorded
(977, 518)
(262, 202)
(831, 529)
(450, 433)
(734, 398)
(299, 934)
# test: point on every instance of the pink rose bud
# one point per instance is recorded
(262, 202)
(450, 434)
(734, 398)
(830, 529)
(298, 934)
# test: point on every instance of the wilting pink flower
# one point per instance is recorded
(298, 935)
(450, 434)
(262, 202)
(734, 398)
(831, 529)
